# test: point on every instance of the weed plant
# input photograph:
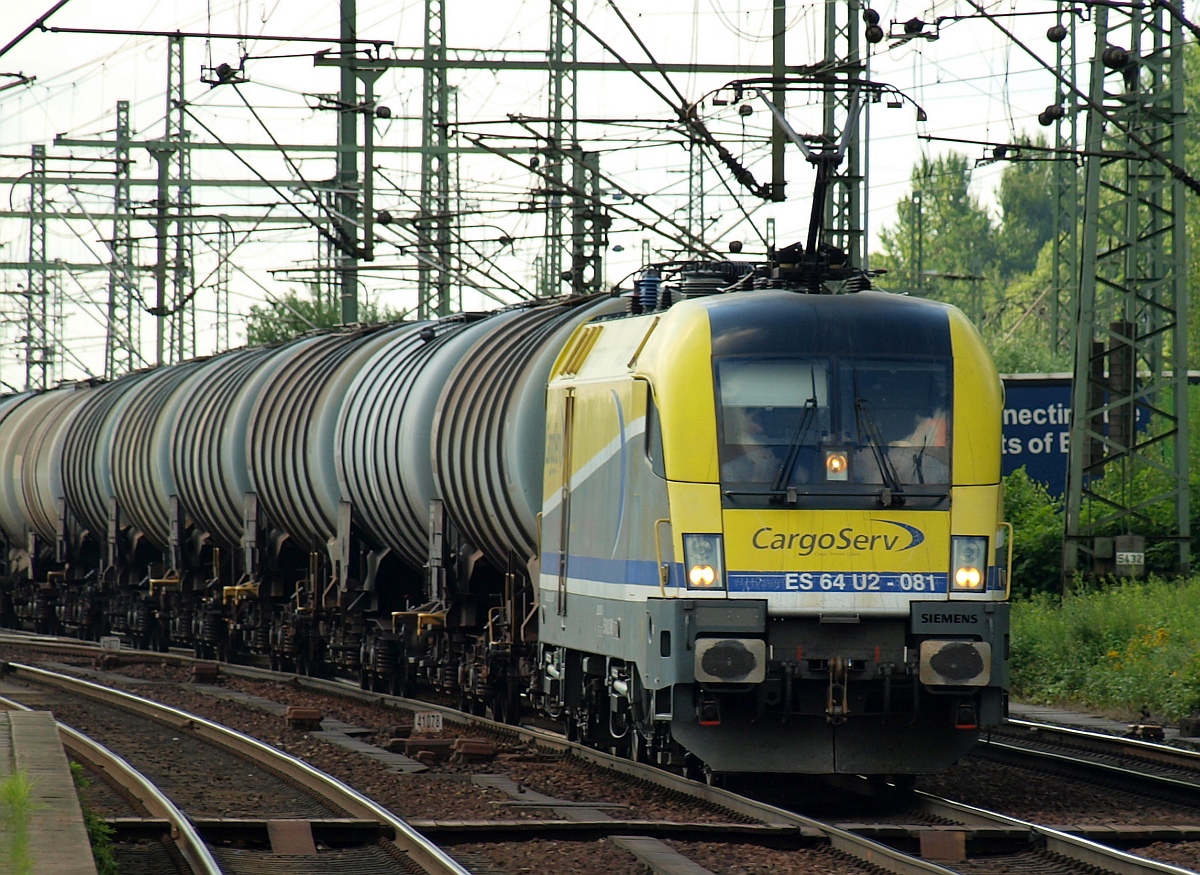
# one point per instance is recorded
(1125, 646)
(99, 832)
(16, 807)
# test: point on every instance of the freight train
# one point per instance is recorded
(719, 522)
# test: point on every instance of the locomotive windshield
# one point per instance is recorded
(853, 431)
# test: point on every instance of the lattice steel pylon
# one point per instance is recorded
(435, 276)
(844, 214)
(1128, 461)
(1064, 267)
(39, 363)
(182, 315)
(122, 337)
(562, 138)
(345, 184)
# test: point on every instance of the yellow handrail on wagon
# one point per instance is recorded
(159, 582)
(425, 619)
(238, 592)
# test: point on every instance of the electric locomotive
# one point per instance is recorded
(771, 535)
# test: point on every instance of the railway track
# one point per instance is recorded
(955, 837)
(163, 822)
(1001, 849)
(272, 810)
(649, 830)
(1159, 767)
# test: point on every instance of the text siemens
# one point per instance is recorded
(806, 543)
(957, 619)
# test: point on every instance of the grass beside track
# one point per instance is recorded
(16, 807)
(1119, 648)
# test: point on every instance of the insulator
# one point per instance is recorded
(1050, 115)
(870, 16)
(646, 290)
(1056, 34)
(914, 26)
(874, 34)
(1115, 58)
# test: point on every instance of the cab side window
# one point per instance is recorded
(654, 440)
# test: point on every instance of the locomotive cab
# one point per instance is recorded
(771, 534)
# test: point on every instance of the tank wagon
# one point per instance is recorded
(712, 524)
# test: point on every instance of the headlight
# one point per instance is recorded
(704, 561)
(837, 466)
(968, 562)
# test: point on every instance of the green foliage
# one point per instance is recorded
(1162, 556)
(942, 230)
(1026, 214)
(1038, 525)
(293, 315)
(99, 832)
(1018, 355)
(16, 807)
(1189, 129)
(945, 245)
(1120, 647)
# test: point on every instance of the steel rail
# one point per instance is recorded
(421, 850)
(1086, 755)
(1150, 750)
(1082, 766)
(185, 836)
(1082, 850)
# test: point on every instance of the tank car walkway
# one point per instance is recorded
(57, 839)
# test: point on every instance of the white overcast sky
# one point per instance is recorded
(972, 82)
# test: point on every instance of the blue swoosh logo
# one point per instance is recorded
(918, 537)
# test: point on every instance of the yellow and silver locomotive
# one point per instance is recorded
(771, 535)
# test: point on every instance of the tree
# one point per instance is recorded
(942, 229)
(944, 243)
(1190, 131)
(1026, 213)
(293, 314)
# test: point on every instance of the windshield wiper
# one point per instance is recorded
(793, 452)
(892, 493)
(919, 458)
